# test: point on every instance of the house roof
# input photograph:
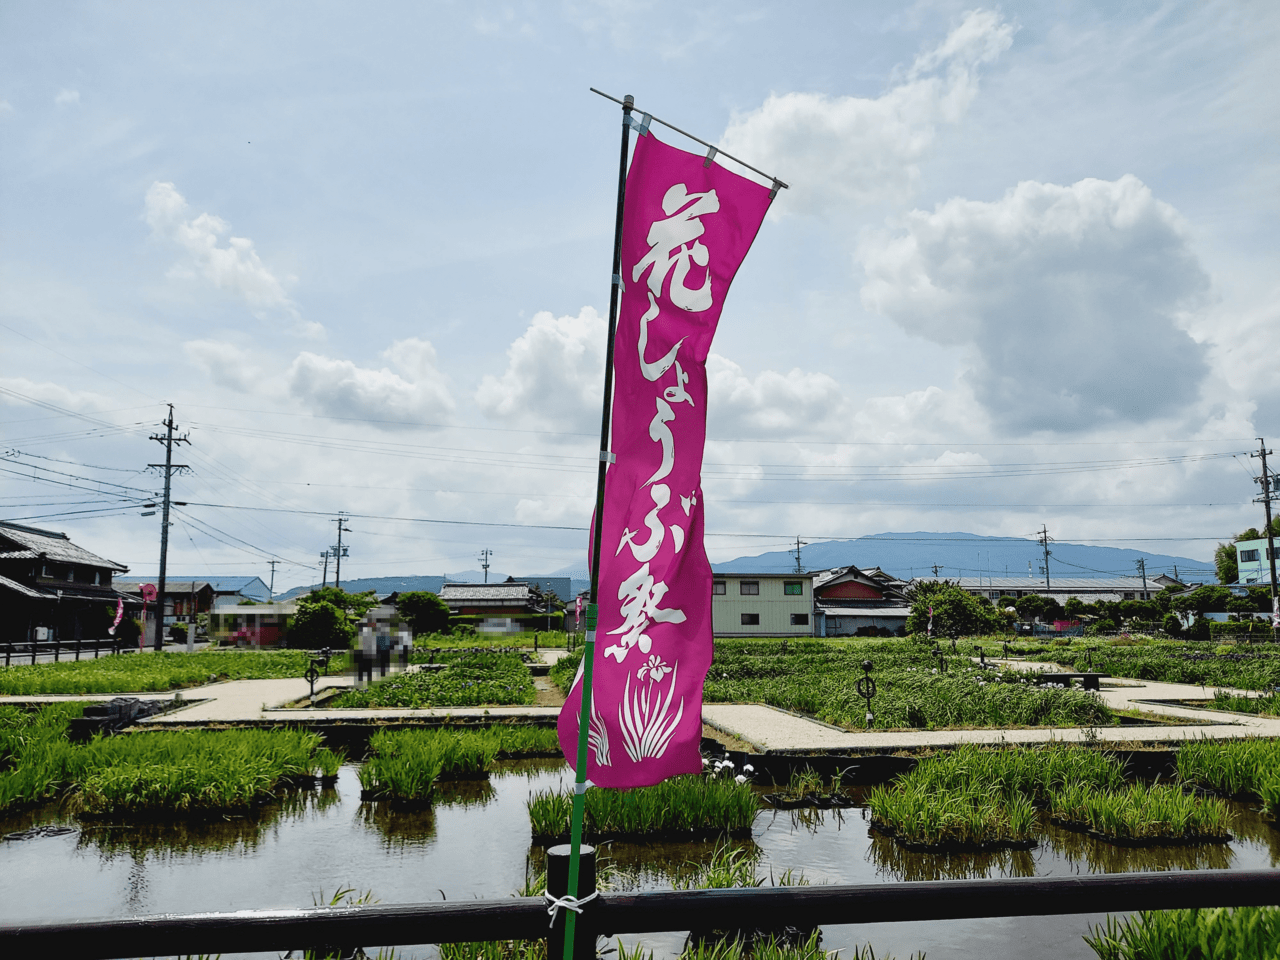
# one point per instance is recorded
(1056, 584)
(21, 589)
(222, 585)
(484, 591)
(170, 586)
(33, 543)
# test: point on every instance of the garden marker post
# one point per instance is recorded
(633, 716)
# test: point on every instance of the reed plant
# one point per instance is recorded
(143, 672)
(1142, 812)
(1034, 772)
(405, 765)
(966, 816)
(1267, 705)
(1237, 768)
(329, 762)
(475, 678)
(685, 806)
(1224, 933)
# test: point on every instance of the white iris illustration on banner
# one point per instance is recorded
(645, 717)
(655, 668)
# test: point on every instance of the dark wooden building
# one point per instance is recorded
(52, 589)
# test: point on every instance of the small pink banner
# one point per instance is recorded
(687, 226)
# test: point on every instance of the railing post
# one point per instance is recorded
(57, 643)
(584, 940)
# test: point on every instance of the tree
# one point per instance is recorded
(355, 604)
(424, 611)
(1172, 625)
(320, 624)
(1224, 558)
(1073, 608)
(955, 613)
(1030, 606)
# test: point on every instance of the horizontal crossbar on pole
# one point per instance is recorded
(525, 918)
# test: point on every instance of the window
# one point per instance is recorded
(1128, 596)
(799, 619)
(751, 619)
(995, 594)
(793, 588)
(749, 588)
(1248, 556)
(71, 573)
(717, 588)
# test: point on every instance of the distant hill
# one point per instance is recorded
(908, 555)
(385, 585)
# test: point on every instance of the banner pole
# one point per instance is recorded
(589, 648)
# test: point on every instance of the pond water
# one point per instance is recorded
(476, 844)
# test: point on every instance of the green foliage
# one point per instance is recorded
(1247, 768)
(320, 624)
(976, 796)
(565, 670)
(1225, 933)
(818, 677)
(679, 806)
(1254, 667)
(955, 613)
(353, 604)
(157, 772)
(1224, 559)
(1172, 625)
(1141, 812)
(142, 672)
(425, 612)
(128, 630)
(405, 765)
(476, 678)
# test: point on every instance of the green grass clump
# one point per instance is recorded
(690, 805)
(1268, 705)
(406, 765)
(142, 672)
(965, 816)
(164, 771)
(473, 679)
(1253, 667)
(1225, 933)
(1141, 812)
(976, 797)
(1237, 768)
(818, 677)
(565, 670)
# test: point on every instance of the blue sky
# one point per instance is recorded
(1025, 275)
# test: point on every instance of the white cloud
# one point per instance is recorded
(235, 267)
(859, 150)
(226, 365)
(554, 375)
(339, 388)
(66, 98)
(1071, 302)
(771, 402)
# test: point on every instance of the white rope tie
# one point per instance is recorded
(569, 903)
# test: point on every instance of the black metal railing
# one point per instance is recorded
(615, 913)
(28, 651)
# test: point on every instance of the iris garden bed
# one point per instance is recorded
(146, 672)
(154, 773)
(684, 807)
(471, 678)
(405, 767)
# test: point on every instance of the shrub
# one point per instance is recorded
(320, 624)
(425, 612)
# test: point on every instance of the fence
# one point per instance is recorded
(29, 650)
(615, 913)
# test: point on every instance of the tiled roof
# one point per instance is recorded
(484, 591)
(54, 546)
(22, 589)
(170, 586)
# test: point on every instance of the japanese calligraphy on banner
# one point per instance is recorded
(687, 225)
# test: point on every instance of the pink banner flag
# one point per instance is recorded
(687, 225)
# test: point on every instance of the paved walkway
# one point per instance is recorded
(766, 728)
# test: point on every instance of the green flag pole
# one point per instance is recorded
(589, 649)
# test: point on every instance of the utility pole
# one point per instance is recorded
(1044, 542)
(1142, 565)
(935, 571)
(324, 577)
(1269, 493)
(484, 562)
(272, 589)
(168, 466)
(799, 543)
(339, 552)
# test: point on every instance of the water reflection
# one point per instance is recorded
(646, 866)
(895, 862)
(401, 830)
(1097, 856)
(1250, 825)
(465, 793)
